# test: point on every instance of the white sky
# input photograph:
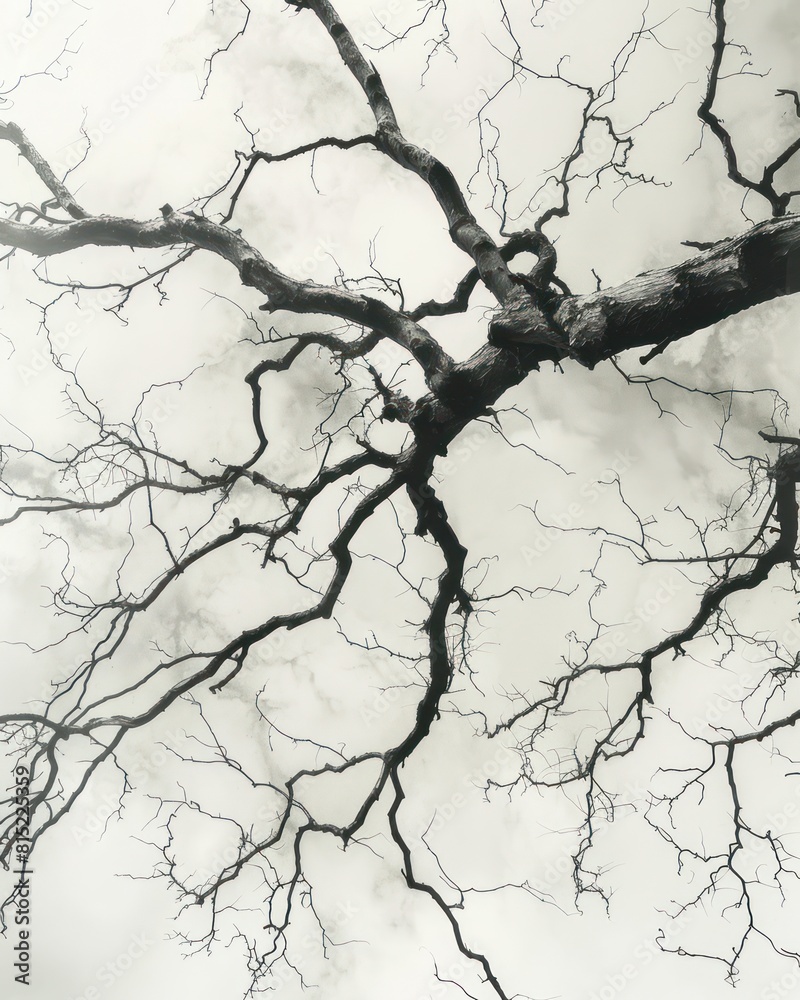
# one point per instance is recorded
(132, 81)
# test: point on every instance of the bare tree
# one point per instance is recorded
(285, 555)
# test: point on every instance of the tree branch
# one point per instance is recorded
(672, 303)
(465, 231)
(283, 291)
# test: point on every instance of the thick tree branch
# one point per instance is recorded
(666, 305)
(13, 133)
(465, 231)
(282, 291)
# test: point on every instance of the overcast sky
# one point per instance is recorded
(133, 80)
